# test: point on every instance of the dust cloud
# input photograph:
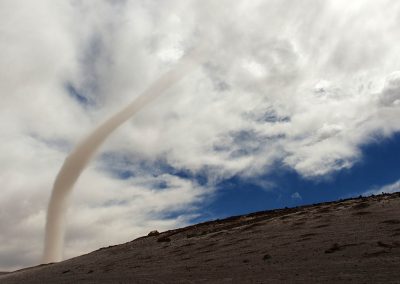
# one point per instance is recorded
(77, 160)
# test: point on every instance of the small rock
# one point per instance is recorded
(333, 248)
(153, 233)
(163, 239)
(266, 257)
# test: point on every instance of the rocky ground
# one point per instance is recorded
(350, 241)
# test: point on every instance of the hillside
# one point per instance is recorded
(349, 241)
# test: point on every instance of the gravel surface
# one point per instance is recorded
(349, 241)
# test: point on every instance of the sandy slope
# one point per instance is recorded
(352, 241)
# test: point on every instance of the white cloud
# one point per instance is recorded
(305, 86)
(389, 188)
(296, 196)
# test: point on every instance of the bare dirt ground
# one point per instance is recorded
(350, 241)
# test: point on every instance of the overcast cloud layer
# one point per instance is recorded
(302, 84)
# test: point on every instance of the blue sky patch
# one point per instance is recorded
(76, 95)
(380, 165)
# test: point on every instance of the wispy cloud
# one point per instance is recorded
(296, 196)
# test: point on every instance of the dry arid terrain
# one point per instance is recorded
(349, 241)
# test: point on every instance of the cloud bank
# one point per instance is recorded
(388, 188)
(303, 85)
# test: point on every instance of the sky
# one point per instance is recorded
(293, 102)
